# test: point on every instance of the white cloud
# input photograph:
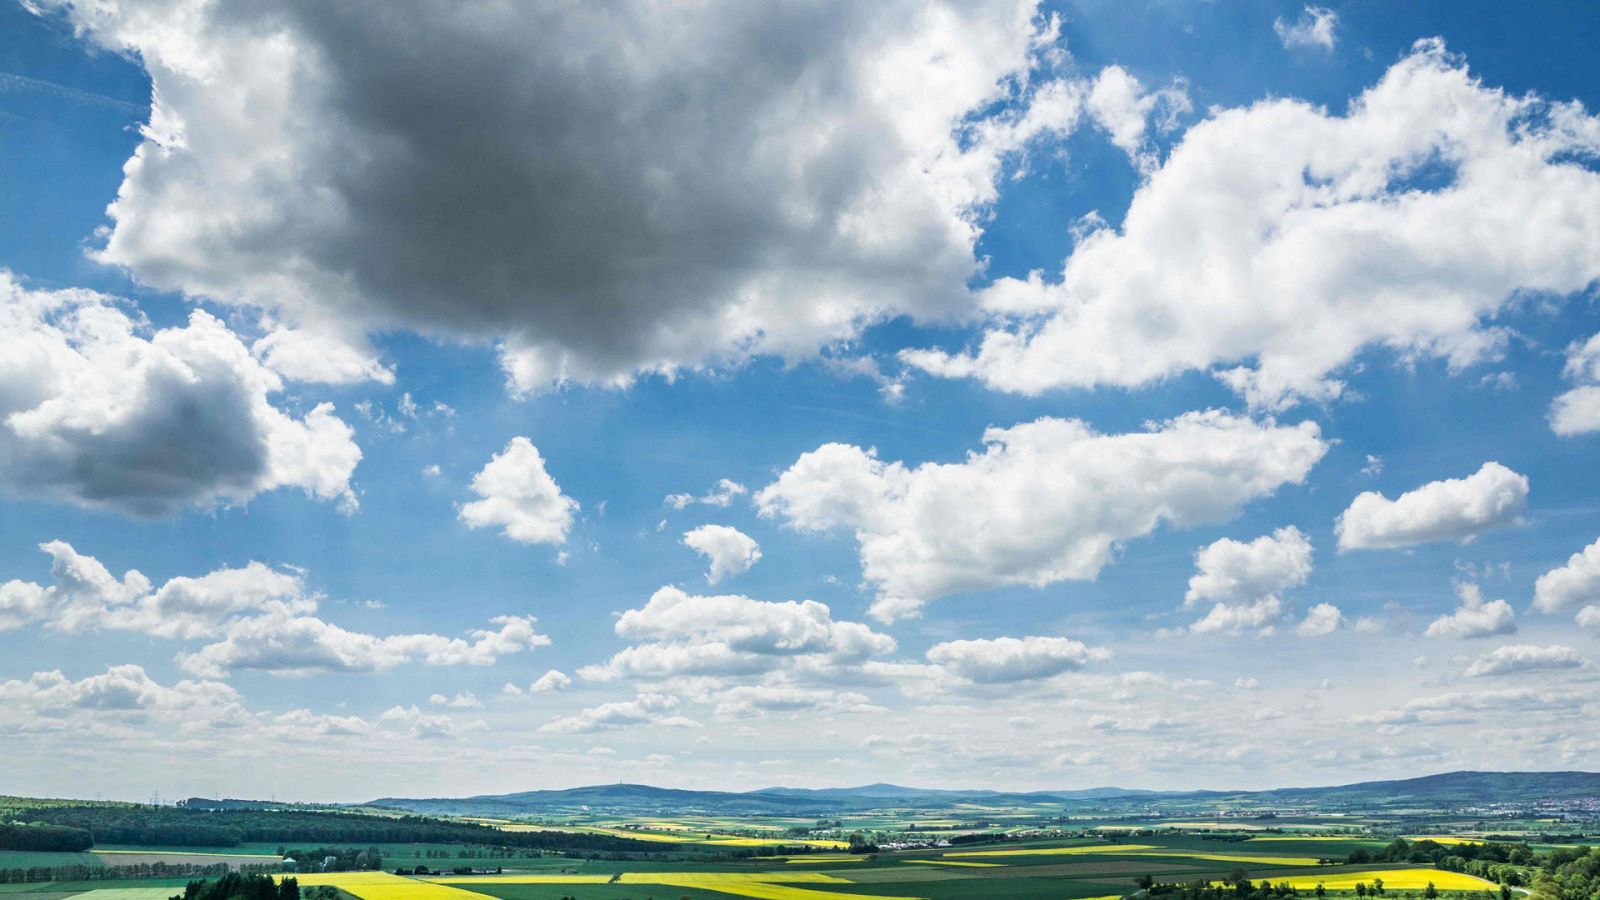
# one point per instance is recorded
(730, 551)
(123, 688)
(1233, 618)
(553, 680)
(1102, 722)
(421, 724)
(1568, 587)
(1455, 509)
(1322, 619)
(520, 496)
(745, 701)
(263, 617)
(1279, 241)
(1245, 582)
(645, 709)
(1007, 660)
(682, 634)
(1229, 570)
(320, 356)
(1514, 658)
(1314, 28)
(295, 645)
(720, 495)
(462, 700)
(1578, 410)
(83, 595)
(1475, 617)
(1045, 501)
(1468, 706)
(1589, 617)
(101, 410)
(1119, 104)
(295, 159)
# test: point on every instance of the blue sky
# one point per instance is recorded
(716, 271)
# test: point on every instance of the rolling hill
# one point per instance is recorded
(1451, 790)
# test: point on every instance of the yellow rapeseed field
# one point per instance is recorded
(1321, 838)
(1395, 879)
(760, 885)
(953, 862)
(384, 886)
(1060, 851)
(1261, 860)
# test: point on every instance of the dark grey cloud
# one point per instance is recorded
(606, 188)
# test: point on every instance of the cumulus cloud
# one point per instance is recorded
(296, 645)
(1578, 410)
(1314, 28)
(101, 410)
(1007, 659)
(752, 700)
(1515, 658)
(1589, 617)
(264, 618)
(1469, 706)
(645, 709)
(520, 496)
(296, 159)
(1279, 241)
(319, 356)
(123, 688)
(1475, 617)
(681, 634)
(729, 550)
(1260, 615)
(1455, 509)
(420, 724)
(1245, 580)
(83, 595)
(553, 680)
(1118, 103)
(1046, 501)
(1571, 586)
(720, 495)
(462, 700)
(1320, 620)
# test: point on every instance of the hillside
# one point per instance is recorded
(1451, 790)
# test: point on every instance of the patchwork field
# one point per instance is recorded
(693, 865)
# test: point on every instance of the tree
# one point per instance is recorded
(1321, 891)
(1361, 889)
(1430, 891)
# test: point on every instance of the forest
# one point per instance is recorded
(181, 827)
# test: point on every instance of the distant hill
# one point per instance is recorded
(1451, 790)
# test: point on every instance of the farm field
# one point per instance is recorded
(715, 858)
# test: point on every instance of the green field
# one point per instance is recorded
(1032, 858)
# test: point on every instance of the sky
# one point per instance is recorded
(442, 399)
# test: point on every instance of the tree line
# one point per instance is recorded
(1502, 863)
(85, 872)
(45, 838)
(345, 859)
(181, 827)
(237, 886)
(1570, 873)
